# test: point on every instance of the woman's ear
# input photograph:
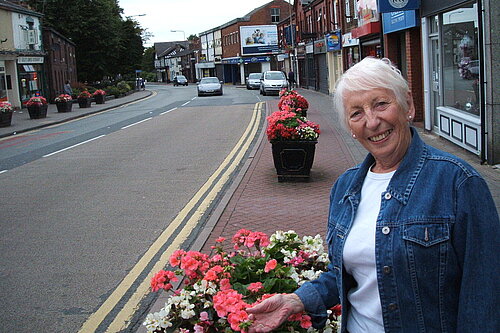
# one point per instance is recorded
(411, 106)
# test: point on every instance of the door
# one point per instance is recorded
(435, 80)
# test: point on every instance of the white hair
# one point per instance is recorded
(370, 73)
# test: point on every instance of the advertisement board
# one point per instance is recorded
(259, 39)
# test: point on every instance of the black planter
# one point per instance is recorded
(64, 106)
(293, 159)
(5, 119)
(37, 111)
(99, 99)
(84, 102)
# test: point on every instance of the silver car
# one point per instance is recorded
(272, 82)
(253, 81)
(209, 86)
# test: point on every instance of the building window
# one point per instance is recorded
(461, 59)
(275, 15)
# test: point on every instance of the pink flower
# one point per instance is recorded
(175, 258)
(162, 280)
(220, 240)
(225, 284)
(198, 328)
(270, 265)
(236, 318)
(255, 287)
(204, 316)
(213, 273)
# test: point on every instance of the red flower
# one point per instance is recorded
(162, 280)
(270, 265)
(255, 287)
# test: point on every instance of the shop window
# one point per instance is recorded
(460, 59)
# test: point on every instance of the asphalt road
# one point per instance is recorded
(89, 206)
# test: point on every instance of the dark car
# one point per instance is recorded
(209, 86)
(180, 80)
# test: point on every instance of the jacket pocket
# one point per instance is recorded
(427, 234)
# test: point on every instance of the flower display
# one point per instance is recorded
(287, 125)
(292, 101)
(63, 98)
(5, 107)
(219, 288)
(84, 94)
(99, 92)
(36, 101)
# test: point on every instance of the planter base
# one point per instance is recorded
(37, 111)
(293, 159)
(64, 106)
(5, 119)
(84, 102)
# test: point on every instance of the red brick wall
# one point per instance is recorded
(415, 70)
(260, 17)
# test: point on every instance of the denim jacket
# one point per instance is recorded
(436, 247)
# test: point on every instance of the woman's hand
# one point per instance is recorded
(272, 312)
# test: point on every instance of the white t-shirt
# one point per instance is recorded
(365, 314)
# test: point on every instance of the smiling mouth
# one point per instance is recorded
(380, 137)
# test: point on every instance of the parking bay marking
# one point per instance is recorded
(122, 319)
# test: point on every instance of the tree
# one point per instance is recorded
(106, 44)
(148, 59)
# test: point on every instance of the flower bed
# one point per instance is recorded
(219, 288)
(286, 125)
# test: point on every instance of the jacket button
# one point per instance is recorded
(387, 196)
(387, 269)
(393, 306)
(386, 230)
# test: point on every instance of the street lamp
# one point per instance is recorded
(129, 16)
(183, 33)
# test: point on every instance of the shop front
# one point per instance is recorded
(350, 50)
(333, 58)
(30, 77)
(452, 76)
(321, 83)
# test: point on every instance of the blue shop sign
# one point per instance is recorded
(333, 41)
(248, 60)
(386, 6)
(395, 21)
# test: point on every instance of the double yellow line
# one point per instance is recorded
(209, 191)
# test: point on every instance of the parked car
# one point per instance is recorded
(180, 80)
(209, 86)
(253, 81)
(272, 82)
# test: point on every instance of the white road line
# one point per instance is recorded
(186, 103)
(194, 98)
(73, 146)
(3, 171)
(137, 123)
(168, 111)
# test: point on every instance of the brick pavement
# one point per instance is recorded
(261, 203)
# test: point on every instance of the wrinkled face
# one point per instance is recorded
(380, 124)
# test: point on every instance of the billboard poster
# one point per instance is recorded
(259, 39)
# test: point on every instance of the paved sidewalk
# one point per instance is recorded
(21, 121)
(258, 202)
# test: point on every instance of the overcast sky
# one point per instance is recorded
(190, 16)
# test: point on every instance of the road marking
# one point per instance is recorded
(168, 111)
(122, 320)
(73, 146)
(137, 123)
(193, 98)
(186, 103)
(3, 171)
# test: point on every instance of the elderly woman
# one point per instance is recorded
(413, 232)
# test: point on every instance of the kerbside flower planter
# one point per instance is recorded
(37, 111)
(84, 102)
(64, 106)
(5, 119)
(293, 159)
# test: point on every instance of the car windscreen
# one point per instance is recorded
(254, 76)
(181, 77)
(275, 76)
(209, 80)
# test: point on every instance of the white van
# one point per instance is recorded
(272, 82)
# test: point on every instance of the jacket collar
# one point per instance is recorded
(405, 176)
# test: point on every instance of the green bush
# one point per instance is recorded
(123, 86)
(111, 90)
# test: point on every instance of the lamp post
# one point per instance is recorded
(293, 55)
(183, 33)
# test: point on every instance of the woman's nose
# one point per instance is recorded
(372, 119)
